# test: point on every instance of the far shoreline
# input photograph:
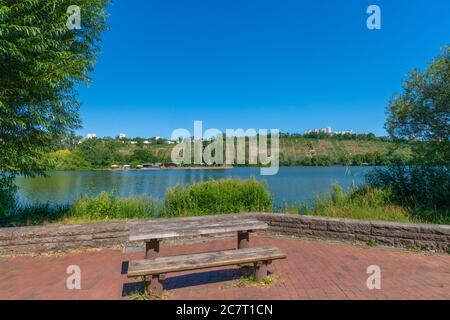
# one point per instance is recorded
(209, 168)
(174, 168)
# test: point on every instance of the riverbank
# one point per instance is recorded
(222, 197)
(81, 169)
(176, 168)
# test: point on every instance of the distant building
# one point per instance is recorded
(91, 136)
(343, 132)
(328, 130)
(157, 138)
(169, 142)
(146, 142)
(133, 142)
(122, 135)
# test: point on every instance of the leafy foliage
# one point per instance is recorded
(7, 189)
(41, 62)
(103, 207)
(217, 196)
(368, 203)
(421, 114)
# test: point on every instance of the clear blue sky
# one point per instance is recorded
(286, 64)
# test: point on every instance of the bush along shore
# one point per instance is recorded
(222, 197)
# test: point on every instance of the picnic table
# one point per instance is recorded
(156, 267)
(154, 232)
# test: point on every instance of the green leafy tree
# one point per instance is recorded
(142, 155)
(421, 115)
(41, 63)
(98, 152)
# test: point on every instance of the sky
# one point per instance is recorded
(291, 65)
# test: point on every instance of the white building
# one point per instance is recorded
(91, 136)
(328, 130)
(343, 132)
(122, 135)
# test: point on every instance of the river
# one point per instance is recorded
(291, 185)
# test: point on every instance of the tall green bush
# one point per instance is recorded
(7, 190)
(217, 196)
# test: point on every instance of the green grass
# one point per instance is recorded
(366, 203)
(372, 242)
(215, 197)
(250, 281)
(104, 207)
(222, 197)
(211, 197)
(107, 206)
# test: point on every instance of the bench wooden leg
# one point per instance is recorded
(151, 249)
(260, 270)
(156, 285)
(243, 239)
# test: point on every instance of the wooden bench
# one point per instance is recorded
(157, 268)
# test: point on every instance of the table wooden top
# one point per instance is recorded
(193, 226)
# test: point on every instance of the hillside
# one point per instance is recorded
(296, 150)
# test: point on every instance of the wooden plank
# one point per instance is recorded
(178, 228)
(175, 223)
(203, 260)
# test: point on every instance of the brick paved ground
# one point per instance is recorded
(313, 270)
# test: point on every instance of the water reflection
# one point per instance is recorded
(290, 185)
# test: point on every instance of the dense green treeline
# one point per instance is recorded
(73, 153)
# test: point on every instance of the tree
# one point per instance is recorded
(142, 155)
(421, 114)
(98, 152)
(41, 62)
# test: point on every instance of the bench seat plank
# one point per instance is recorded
(186, 262)
(193, 227)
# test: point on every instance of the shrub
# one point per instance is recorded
(359, 203)
(217, 196)
(417, 187)
(7, 192)
(368, 203)
(35, 214)
(107, 206)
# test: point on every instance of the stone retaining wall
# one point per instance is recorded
(405, 235)
(42, 239)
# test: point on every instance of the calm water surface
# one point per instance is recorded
(290, 185)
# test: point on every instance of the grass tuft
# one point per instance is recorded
(215, 197)
(366, 203)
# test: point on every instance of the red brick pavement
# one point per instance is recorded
(313, 270)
